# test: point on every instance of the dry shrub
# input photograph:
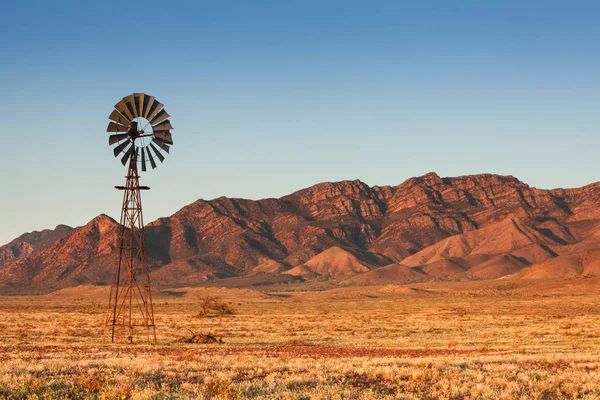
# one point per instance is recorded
(213, 307)
(93, 383)
(222, 389)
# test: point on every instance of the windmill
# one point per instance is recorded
(140, 134)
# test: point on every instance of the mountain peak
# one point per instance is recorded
(102, 219)
(100, 224)
(334, 184)
(431, 178)
(484, 179)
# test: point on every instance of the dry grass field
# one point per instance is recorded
(462, 340)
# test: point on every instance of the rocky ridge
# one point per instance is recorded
(469, 227)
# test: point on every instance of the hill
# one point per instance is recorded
(333, 263)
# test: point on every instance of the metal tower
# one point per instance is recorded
(130, 304)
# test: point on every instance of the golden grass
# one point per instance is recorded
(351, 343)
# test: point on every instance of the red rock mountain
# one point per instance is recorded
(469, 227)
(85, 255)
(28, 243)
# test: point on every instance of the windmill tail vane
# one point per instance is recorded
(141, 134)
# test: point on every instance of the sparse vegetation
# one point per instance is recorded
(462, 341)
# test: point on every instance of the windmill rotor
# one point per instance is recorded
(140, 130)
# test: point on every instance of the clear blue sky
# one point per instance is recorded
(270, 97)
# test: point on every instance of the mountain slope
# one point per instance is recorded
(582, 264)
(390, 274)
(504, 237)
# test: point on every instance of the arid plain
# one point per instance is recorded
(487, 339)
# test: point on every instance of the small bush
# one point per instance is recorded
(213, 307)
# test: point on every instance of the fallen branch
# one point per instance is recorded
(200, 338)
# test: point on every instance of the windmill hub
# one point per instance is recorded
(134, 129)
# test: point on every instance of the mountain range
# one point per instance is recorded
(427, 228)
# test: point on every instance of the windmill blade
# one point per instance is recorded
(127, 154)
(163, 126)
(148, 101)
(118, 118)
(130, 103)
(121, 147)
(162, 144)
(112, 127)
(159, 117)
(143, 160)
(122, 108)
(157, 152)
(155, 109)
(139, 103)
(160, 141)
(165, 136)
(112, 139)
(151, 158)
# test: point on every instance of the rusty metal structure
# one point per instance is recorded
(140, 129)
